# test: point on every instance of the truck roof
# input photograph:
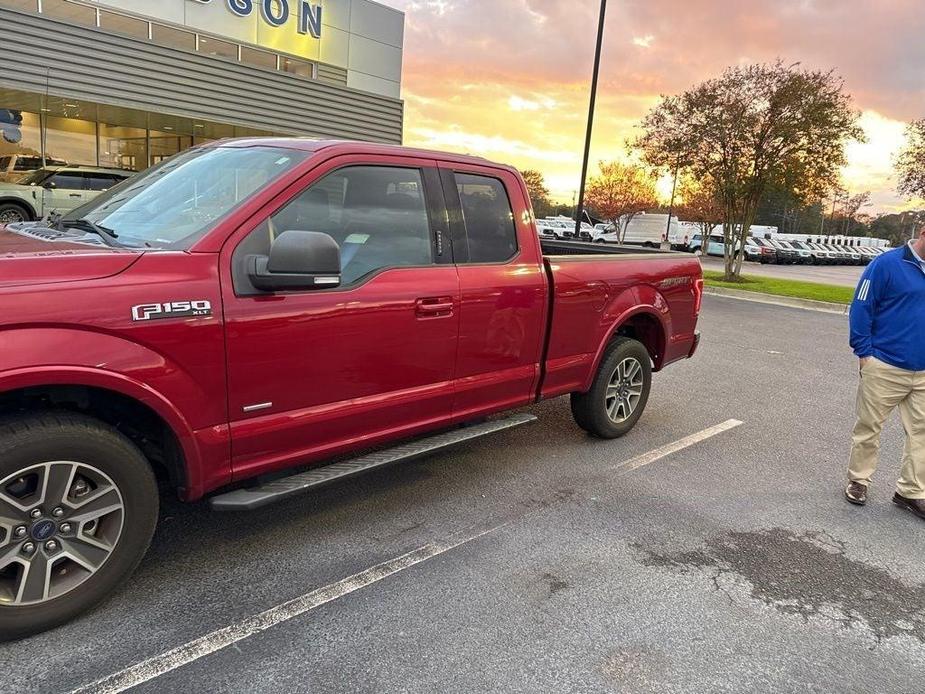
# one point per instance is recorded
(356, 147)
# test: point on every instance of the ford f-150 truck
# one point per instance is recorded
(238, 315)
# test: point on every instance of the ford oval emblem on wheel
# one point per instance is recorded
(43, 530)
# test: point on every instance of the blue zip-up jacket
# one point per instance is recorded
(888, 311)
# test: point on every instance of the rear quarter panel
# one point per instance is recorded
(594, 296)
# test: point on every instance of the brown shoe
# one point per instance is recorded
(917, 506)
(856, 493)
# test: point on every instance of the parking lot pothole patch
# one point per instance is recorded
(806, 574)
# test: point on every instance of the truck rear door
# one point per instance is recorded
(315, 372)
(502, 316)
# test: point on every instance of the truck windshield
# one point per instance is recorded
(174, 203)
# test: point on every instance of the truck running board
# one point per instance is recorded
(255, 497)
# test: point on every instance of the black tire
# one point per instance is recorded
(10, 210)
(590, 409)
(29, 440)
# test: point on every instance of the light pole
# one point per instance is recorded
(584, 163)
(674, 185)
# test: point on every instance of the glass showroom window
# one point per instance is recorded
(70, 140)
(252, 56)
(130, 26)
(24, 5)
(123, 148)
(175, 38)
(165, 144)
(20, 143)
(219, 48)
(297, 67)
(70, 12)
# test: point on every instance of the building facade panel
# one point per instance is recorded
(92, 65)
(377, 22)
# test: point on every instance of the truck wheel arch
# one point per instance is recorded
(69, 385)
(643, 323)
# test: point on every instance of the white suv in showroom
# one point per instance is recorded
(54, 189)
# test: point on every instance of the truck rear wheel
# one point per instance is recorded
(78, 507)
(619, 392)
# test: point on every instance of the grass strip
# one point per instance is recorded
(781, 287)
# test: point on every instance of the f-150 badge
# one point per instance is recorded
(172, 309)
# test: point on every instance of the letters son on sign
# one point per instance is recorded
(276, 13)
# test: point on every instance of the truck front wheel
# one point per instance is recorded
(619, 392)
(78, 507)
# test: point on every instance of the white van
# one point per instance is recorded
(647, 230)
(681, 234)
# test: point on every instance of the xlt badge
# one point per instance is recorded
(172, 309)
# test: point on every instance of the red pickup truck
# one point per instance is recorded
(251, 306)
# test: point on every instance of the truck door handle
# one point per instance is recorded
(434, 307)
(73, 195)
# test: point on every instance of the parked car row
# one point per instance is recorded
(810, 253)
(781, 252)
(563, 229)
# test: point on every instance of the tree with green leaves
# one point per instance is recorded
(911, 161)
(539, 192)
(699, 203)
(619, 193)
(751, 128)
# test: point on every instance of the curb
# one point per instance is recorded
(789, 301)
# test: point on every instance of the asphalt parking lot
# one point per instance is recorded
(845, 275)
(542, 560)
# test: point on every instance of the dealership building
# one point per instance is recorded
(126, 83)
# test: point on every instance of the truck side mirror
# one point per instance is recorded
(297, 260)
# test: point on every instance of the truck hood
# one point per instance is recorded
(28, 260)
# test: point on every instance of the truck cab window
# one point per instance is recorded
(376, 214)
(488, 217)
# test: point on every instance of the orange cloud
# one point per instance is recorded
(509, 79)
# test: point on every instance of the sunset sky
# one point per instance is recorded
(509, 79)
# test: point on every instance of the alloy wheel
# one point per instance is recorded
(624, 390)
(59, 523)
(11, 215)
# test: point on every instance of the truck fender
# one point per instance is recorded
(90, 353)
(647, 305)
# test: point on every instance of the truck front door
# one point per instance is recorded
(317, 372)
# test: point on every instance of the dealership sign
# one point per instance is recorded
(277, 12)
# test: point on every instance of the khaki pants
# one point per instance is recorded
(881, 390)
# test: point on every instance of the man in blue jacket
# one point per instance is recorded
(888, 336)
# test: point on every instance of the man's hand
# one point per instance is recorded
(864, 361)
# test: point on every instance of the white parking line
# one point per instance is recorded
(222, 638)
(668, 449)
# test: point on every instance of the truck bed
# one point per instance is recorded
(553, 247)
(650, 292)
